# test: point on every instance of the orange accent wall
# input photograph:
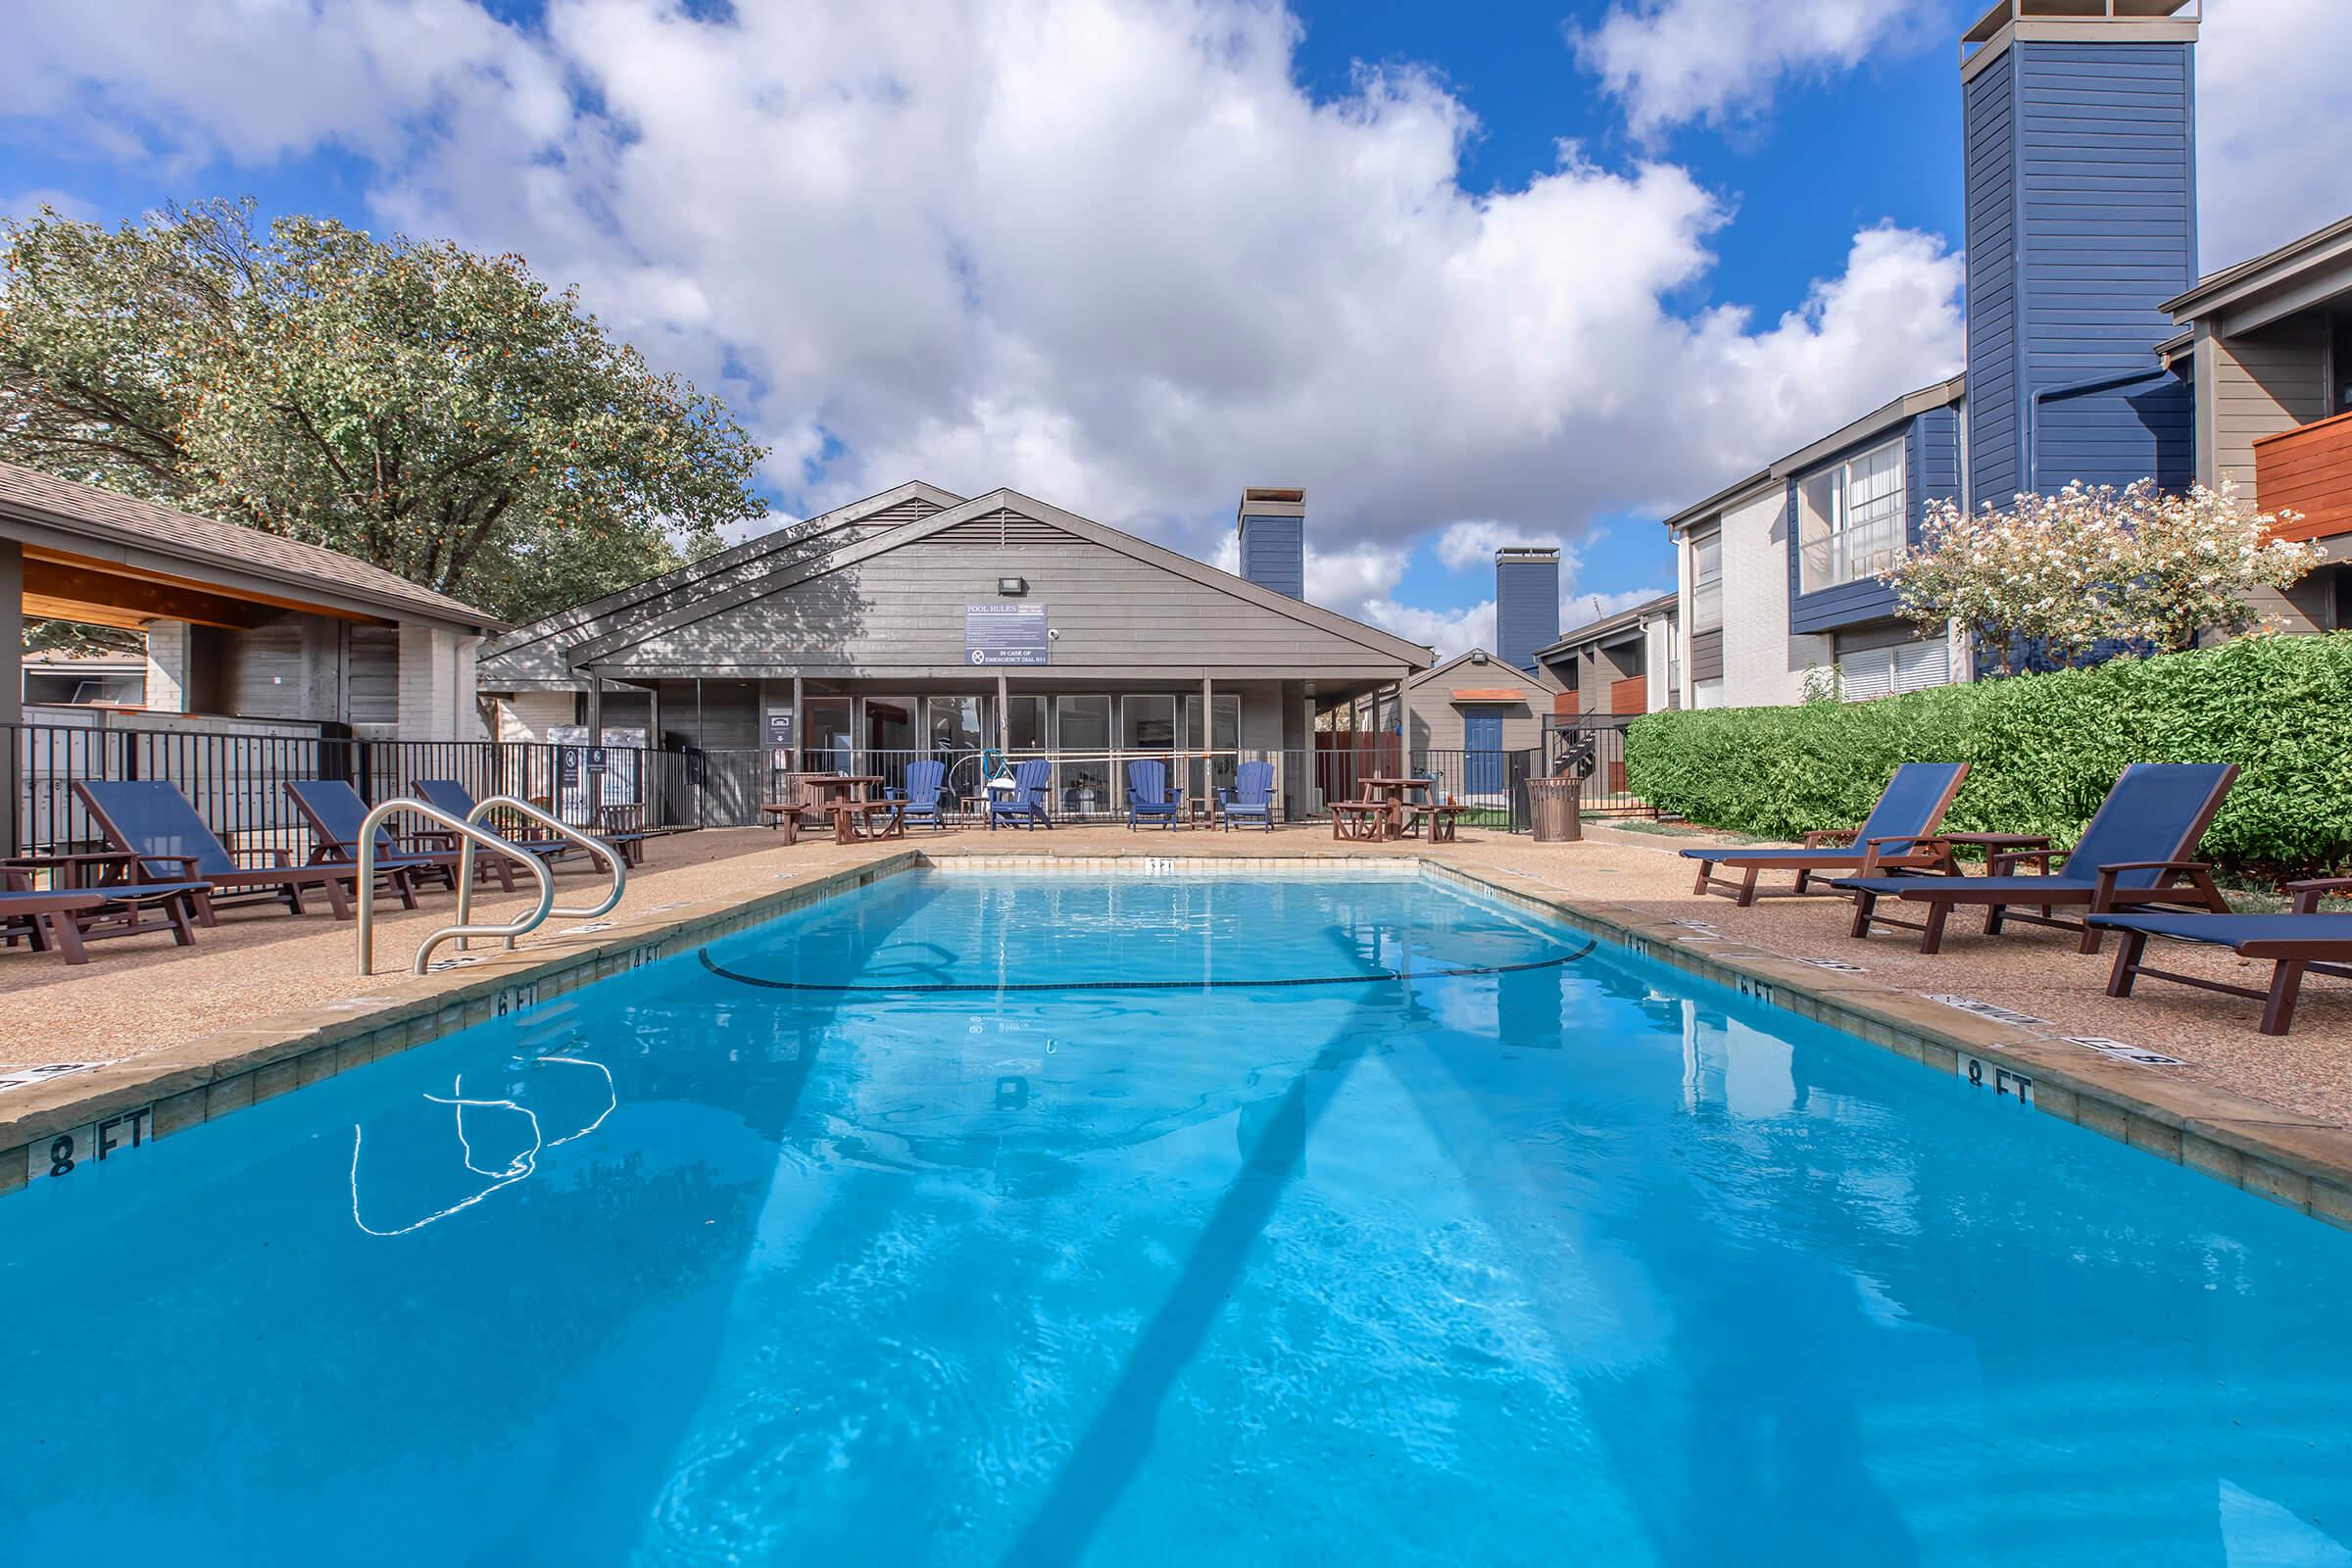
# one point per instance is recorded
(2308, 469)
(1630, 695)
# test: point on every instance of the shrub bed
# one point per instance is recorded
(2041, 751)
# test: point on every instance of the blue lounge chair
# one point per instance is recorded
(1148, 795)
(1251, 796)
(918, 801)
(1897, 836)
(457, 801)
(2303, 941)
(334, 813)
(1024, 805)
(2132, 852)
(152, 819)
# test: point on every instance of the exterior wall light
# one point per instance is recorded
(1012, 587)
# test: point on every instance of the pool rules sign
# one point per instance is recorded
(1004, 632)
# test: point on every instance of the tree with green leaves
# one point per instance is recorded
(440, 413)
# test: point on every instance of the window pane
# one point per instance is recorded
(1706, 583)
(1025, 725)
(1923, 663)
(958, 725)
(827, 747)
(1082, 726)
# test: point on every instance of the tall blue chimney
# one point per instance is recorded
(1527, 604)
(2081, 218)
(1273, 526)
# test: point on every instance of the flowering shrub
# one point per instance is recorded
(2094, 565)
(2042, 750)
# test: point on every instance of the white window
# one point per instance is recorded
(1904, 668)
(1706, 583)
(1851, 519)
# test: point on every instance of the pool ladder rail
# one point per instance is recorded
(470, 830)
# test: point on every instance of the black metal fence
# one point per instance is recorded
(1571, 741)
(237, 778)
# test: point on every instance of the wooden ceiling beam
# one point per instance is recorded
(106, 598)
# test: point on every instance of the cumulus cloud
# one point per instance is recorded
(1106, 251)
(2268, 71)
(1673, 62)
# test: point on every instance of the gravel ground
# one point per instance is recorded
(141, 994)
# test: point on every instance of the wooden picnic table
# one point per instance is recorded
(1391, 792)
(848, 799)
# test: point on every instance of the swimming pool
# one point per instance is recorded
(1541, 1253)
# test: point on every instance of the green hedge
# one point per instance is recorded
(2042, 750)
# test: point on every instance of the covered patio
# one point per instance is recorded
(254, 644)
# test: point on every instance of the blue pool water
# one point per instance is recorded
(1582, 1262)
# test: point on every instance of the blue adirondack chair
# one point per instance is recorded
(2133, 851)
(1252, 795)
(1897, 836)
(1024, 805)
(920, 797)
(1148, 795)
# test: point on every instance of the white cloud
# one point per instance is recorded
(1104, 251)
(1673, 62)
(1466, 544)
(2270, 74)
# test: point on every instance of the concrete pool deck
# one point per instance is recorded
(264, 1002)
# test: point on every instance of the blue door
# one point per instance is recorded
(1482, 741)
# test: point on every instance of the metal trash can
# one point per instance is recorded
(1555, 805)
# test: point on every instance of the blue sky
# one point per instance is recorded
(1472, 274)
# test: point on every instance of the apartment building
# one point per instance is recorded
(2094, 352)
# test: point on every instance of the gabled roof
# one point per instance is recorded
(1888, 417)
(1543, 679)
(1607, 626)
(103, 525)
(1383, 644)
(2324, 254)
(536, 652)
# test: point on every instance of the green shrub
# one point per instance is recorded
(2042, 750)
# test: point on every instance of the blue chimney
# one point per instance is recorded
(2081, 159)
(1273, 524)
(1527, 604)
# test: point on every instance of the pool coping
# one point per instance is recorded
(2299, 1161)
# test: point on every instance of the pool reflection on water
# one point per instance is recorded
(1584, 1261)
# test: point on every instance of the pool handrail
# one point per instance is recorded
(596, 847)
(480, 838)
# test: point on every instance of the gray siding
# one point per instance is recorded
(901, 613)
(373, 662)
(1432, 719)
(2265, 382)
(535, 652)
(1706, 654)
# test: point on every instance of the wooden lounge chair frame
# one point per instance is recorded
(120, 903)
(1881, 854)
(2291, 958)
(48, 915)
(277, 880)
(2178, 881)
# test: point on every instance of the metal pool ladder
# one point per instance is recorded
(469, 831)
